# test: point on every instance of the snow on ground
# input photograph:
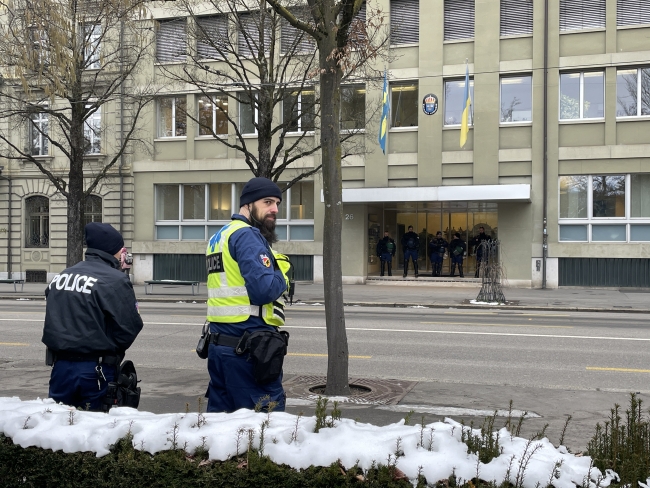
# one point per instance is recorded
(290, 439)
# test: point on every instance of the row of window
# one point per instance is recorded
(604, 208)
(38, 130)
(197, 211)
(516, 18)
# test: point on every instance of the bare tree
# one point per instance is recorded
(346, 47)
(68, 61)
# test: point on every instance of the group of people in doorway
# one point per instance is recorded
(438, 247)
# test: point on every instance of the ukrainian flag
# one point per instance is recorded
(464, 124)
(383, 122)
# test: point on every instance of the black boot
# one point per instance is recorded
(406, 269)
(460, 270)
(390, 268)
(415, 265)
(383, 266)
(453, 269)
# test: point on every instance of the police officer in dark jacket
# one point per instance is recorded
(457, 248)
(385, 251)
(91, 319)
(480, 249)
(437, 248)
(410, 246)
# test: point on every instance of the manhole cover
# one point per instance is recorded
(363, 390)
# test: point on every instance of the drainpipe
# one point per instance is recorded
(8, 178)
(121, 167)
(545, 171)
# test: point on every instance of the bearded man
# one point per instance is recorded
(246, 284)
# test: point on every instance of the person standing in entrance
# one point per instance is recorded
(246, 283)
(437, 248)
(410, 246)
(480, 249)
(457, 248)
(386, 248)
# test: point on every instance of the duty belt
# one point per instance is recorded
(238, 343)
(67, 356)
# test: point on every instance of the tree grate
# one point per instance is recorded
(368, 391)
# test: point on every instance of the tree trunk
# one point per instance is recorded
(337, 341)
(76, 197)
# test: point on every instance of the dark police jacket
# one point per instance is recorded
(382, 246)
(410, 238)
(91, 308)
(438, 246)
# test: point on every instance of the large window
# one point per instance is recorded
(298, 111)
(404, 104)
(41, 45)
(197, 211)
(93, 209)
(171, 39)
(353, 107)
(211, 35)
(516, 99)
(404, 21)
(213, 115)
(38, 130)
(582, 95)
(92, 34)
(632, 92)
(605, 208)
(294, 40)
(582, 14)
(172, 117)
(455, 103)
(254, 33)
(516, 17)
(459, 19)
(93, 133)
(247, 113)
(37, 225)
(632, 12)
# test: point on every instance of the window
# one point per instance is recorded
(353, 107)
(582, 95)
(250, 26)
(404, 104)
(632, 92)
(170, 40)
(516, 17)
(459, 19)
(181, 210)
(213, 115)
(172, 120)
(298, 111)
(632, 12)
(92, 132)
(582, 14)
(605, 208)
(93, 209)
(454, 103)
(516, 99)
(220, 201)
(92, 34)
(38, 130)
(212, 36)
(41, 44)
(404, 21)
(294, 40)
(37, 225)
(247, 114)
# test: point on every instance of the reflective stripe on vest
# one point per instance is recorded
(228, 300)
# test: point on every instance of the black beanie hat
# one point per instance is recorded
(103, 237)
(257, 188)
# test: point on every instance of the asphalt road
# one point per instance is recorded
(553, 364)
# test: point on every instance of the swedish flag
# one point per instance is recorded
(467, 102)
(383, 122)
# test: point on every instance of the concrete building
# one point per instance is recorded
(556, 165)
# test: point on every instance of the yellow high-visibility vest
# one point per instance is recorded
(228, 300)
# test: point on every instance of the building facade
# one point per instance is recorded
(556, 165)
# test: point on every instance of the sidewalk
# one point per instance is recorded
(412, 293)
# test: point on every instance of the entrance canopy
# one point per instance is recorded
(473, 193)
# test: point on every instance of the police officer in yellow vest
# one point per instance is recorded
(246, 284)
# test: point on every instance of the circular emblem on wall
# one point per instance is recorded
(430, 104)
(36, 255)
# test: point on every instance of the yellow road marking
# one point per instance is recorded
(13, 344)
(621, 370)
(502, 325)
(323, 355)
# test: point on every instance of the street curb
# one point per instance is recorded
(465, 306)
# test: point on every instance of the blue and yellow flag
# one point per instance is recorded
(383, 122)
(467, 103)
